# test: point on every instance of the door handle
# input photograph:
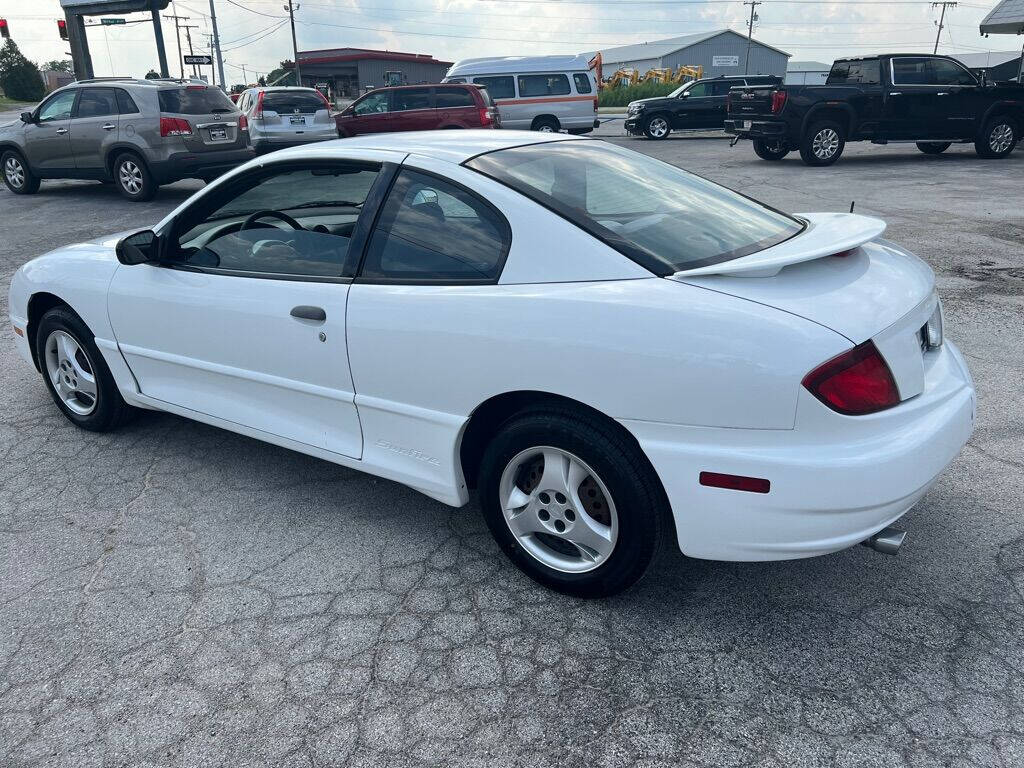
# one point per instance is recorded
(317, 314)
(109, 127)
(895, 93)
(61, 131)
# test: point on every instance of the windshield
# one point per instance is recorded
(662, 217)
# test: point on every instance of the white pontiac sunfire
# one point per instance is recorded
(610, 349)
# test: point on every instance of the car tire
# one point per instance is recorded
(76, 374)
(933, 147)
(17, 176)
(546, 125)
(133, 179)
(619, 507)
(767, 149)
(998, 138)
(823, 143)
(657, 127)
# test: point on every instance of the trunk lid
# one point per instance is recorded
(751, 101)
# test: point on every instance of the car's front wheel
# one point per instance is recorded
(823, 144)
(17, 176)
(572, 502)
(770, 149)
(933, 147)
(998, 138)
(657, 127)
(76, 374)
(133, 179)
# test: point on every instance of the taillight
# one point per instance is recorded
(174, 126)
(243, 123)
(595, 105)
(485, 116)
(855, 383)
(258, 114)
(778, 101)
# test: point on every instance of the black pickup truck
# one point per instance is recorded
(933, 101)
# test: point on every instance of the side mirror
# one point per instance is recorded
(139, 248)
(684, 95)
(26, 117)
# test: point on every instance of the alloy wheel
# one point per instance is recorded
(71, 372)
(545, 129)
(658, 127)
(1001, 138)
(559, 510)
(15, 172)
(130, 176)
(825, 144)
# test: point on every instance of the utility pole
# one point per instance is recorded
(750, 32)
(216, 46)
(188, 36)
(177, 34)
(292, 7)
(942, 19)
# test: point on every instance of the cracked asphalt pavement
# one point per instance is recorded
(176, 595)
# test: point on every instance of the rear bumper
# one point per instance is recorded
(271, 144)
(832, 485)
(766, 129)
(190, 165)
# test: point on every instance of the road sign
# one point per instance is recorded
(198, 60)
(110, 22)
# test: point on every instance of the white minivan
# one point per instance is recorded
(538, 93)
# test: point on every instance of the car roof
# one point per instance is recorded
(451, 146)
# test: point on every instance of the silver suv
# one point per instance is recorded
(138, 134)
(285, 117)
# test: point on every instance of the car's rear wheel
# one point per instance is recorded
(17, 176)
(657, 127)
(998, 138)
(75, 373)
(133, 179)
(933, 147)
(770, 149)
(572, 502)
(546, 125)
(823, 144)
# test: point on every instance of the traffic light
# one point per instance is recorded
(62, 28)
(5, 31)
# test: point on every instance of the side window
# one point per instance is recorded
(431, 229)
(543, 85)
(865, 72)
(57, 108)
(911, 71)
(947, 73)
(372, 104)
(96, 102)
(318, 210)
(700, 89)
(404, 99)
(722, 88)
(453, 98)
(582, 81)
(125, 103)
(503, 87)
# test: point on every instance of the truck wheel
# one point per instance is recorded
(768, 149)
(18, 178)
(933, 148)
(823, 143)
(657, 127)
(998, 138)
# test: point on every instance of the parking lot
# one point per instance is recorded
(173, 594)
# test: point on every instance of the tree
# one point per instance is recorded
(262, 81)
(58, 65)
(152, 75)
(19, 77)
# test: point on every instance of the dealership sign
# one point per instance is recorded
(725, 61)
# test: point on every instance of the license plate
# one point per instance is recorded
(746, 125)
(218, 133)
(298, 120)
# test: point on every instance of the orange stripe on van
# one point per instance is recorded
(544, 100)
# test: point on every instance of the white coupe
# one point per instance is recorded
(609, 349)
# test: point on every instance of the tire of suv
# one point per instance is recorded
(602, 493)
(17, 176)
(546, 125)
(657, 127)
(132, 178)
(76, 374)
(998, 138)
(933, 148)
(823, 143)
(770, 150)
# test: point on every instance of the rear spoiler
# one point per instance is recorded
(827, 234)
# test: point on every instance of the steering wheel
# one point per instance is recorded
(253, 217)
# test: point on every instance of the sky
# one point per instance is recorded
(255, 35)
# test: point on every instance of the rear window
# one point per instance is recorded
(194, 101)
(582, 82)
(451, 98)
(866, 72)
(293, 102)
(543, 85)
(499, 87)
(662, 217)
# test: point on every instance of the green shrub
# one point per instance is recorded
(19, 77)
(621, 96)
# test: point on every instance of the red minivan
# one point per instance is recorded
(418, 108)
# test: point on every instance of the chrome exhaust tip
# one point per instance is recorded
(887, 541)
